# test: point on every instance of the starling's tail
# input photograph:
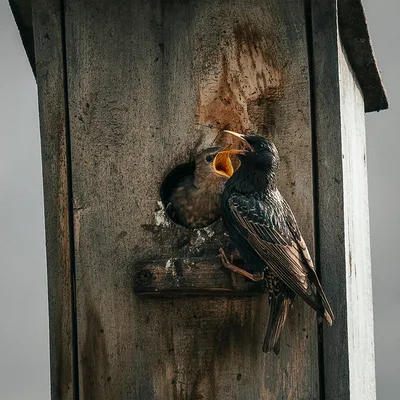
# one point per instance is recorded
(278, 309)
(323, 308)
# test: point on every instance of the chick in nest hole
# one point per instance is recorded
(195, 202)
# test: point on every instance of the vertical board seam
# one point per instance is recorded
(74, 318)
(314, 150)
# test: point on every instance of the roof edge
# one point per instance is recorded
(22, 12)
(353, 31)
(355, 37)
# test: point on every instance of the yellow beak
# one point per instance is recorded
(242, 138)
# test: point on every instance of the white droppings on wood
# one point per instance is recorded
(209, 231)
(201, 236)
(188, 266)
(199, 239)
(170, 267)
(160, 216)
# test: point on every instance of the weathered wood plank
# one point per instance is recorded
(342, 220)
(353, 30)
(357, 239)
(52, 105)
(191, 277)
(147, 81)
(331, 225)
(328, 152)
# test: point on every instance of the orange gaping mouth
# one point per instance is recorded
(222, 163)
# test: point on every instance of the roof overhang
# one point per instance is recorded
(352, 28)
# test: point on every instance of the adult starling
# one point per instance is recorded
(264, 230)
(196, 200)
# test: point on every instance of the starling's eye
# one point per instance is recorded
(209, 158)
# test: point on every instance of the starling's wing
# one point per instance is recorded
(275, 237)
(294, 228)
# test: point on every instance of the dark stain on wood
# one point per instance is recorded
(248, 85)
(94, 355)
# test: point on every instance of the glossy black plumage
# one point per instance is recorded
(264, 230)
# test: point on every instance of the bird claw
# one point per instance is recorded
(228, 265)
(258, 276)
(224, 258)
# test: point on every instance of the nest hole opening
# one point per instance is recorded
(175, 178)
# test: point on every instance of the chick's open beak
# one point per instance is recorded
(222, 163)
(242, 138)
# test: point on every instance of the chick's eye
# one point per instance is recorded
(209, 158)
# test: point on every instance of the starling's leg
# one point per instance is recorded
(234, 268)
(233, 275)
(225, 261)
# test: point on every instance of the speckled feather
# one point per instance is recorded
(196, 200)
(264, 230)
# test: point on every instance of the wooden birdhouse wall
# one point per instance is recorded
(127, 91)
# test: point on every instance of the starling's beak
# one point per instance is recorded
(222, 163)
(242, 138)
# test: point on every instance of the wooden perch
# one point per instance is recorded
(190, 277)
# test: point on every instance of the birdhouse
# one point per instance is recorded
(129, 92)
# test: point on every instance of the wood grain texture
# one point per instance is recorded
(357, 238)
(191, 277)
(353, 30)
(342, 213)
(330, 206)
(148, 81)
(50, 81)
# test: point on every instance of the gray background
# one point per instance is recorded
(24, 360)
